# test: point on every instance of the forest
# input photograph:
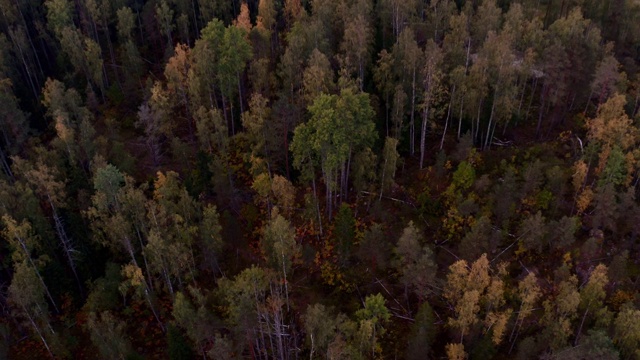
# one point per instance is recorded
(321, 179)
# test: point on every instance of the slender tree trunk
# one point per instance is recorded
(66, 246)
(477, 127)
(384, 170)
(224, 111)
(584, 316)
(540, 113)
(286, 285)
(5, 165)
(26, 29)
(38, 331)
(315, 196)
(346, 193)
(423, 134)
(446, 123)
(386, 110)
(240, 94)
(144, 257)
(413, 107)
(23, 245)
(486, 141)
(460, 116)
(24, 63)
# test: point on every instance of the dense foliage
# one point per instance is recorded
(340, 179)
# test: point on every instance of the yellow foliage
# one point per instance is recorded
(580, 170)
(584, 199)
(456, 352)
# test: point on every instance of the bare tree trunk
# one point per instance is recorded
(240, 95)
(23, 245)
(581, 325)
(446, 123)
(413, 108)
(38, 331)
(66, 246)
(423, 134)
(486, 141)
(460, 116)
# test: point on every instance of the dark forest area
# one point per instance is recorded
(319, 179)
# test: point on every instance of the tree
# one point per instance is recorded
(280, 247)
(533, 232)
(108, 335)
(408, 56)
(345, 232)
(562, 232)
(177, 74)
(254, 309)
(26, 294)
(416, 262)
(356, 46)
(463, 290)
(529, 293)
(13, 125)
(255, 122)
(340, 125)
(431, 75)
(397, 14)
(23, 241)
(320, 325)
(389, 164)
(423, 333)
(627, 331)
(118, 222)
(374, 248)
(607, 80)
(203, 74)
(383, 75)
(317, 77)
(194, 317)
(486, 19)
(596, 344)
(85, 55)
(559, 313)
(164, 18)
(612, 126)
(593, 294)
(211, 243)
(456, 352)
(478, 240)
(235, 53)
(131, 58)
(375, 314)
(52, 191)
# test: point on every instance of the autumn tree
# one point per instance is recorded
(592, 295)
(559, 314)
(356, 43)
(529, 292)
